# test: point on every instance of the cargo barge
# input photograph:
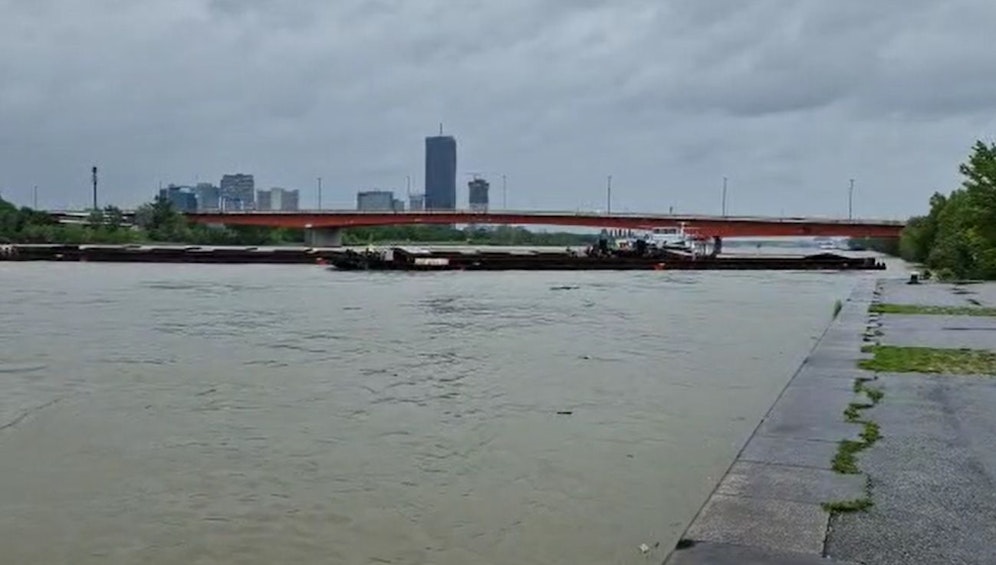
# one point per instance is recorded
(166, 254)
(408, 259)
(403, 259)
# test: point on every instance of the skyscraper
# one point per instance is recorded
(440, 173)
(478, 196)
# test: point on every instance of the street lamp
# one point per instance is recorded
(850, 201)
(608, 196)
(724, 197)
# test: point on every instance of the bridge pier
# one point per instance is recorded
(323, 237)
(717, 245)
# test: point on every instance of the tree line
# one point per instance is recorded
(957, 237)
(158, 221)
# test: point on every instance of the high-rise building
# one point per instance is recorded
(398, 205)
(182, 198)
(375, 201)
(440, 172)
(416, 202)
(208, 196)
(238, 192)
(478, 194)
(279, 199)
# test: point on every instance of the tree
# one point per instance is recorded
(113, 218)
(958, 236)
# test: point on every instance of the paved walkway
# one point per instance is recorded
(932, 476)
(934, 472)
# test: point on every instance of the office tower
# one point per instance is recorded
(279, 199)
(238, 192)
(478, 194)
(182, 198)
(375, 201)
(208, 197)
(440, 173)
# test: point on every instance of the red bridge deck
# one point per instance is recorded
(705, 226)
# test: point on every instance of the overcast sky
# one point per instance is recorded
(787, 98)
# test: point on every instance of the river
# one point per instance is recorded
(164, 414)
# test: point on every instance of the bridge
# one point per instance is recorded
(324, 227)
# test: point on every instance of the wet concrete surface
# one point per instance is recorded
(946, 332)
(940, 294)
(933, 474)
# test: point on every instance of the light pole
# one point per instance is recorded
(608, 196)
(93, 172)
(319, 193)
(724, 197)
(34, 198)
(850, 201)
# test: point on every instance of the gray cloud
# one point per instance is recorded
(787, 98)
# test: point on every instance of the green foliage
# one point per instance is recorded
(893, 359)
(843, 506)
(958, 236)
(922, 309)
(159, 221)
(845, 460)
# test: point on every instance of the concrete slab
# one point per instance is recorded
(933, 476)
(936, 294)
(828, 359)
(764, 523)
(829, 379)
(952, 332)
(796, 484)
(817, 454)
(809, 417)
(723, 554)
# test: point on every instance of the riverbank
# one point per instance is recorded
(862, 466)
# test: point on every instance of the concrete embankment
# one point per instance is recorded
(769, 508)
(856, 466)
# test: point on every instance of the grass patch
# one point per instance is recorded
(932, 310)
(841, 506)
(892, 359)
(871, 433)
(853, 411)
(845, 462)
(875, 394)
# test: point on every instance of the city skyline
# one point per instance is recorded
(787, 101)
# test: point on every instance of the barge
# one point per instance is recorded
(403, 259)
(166, 254)
(407, 259)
